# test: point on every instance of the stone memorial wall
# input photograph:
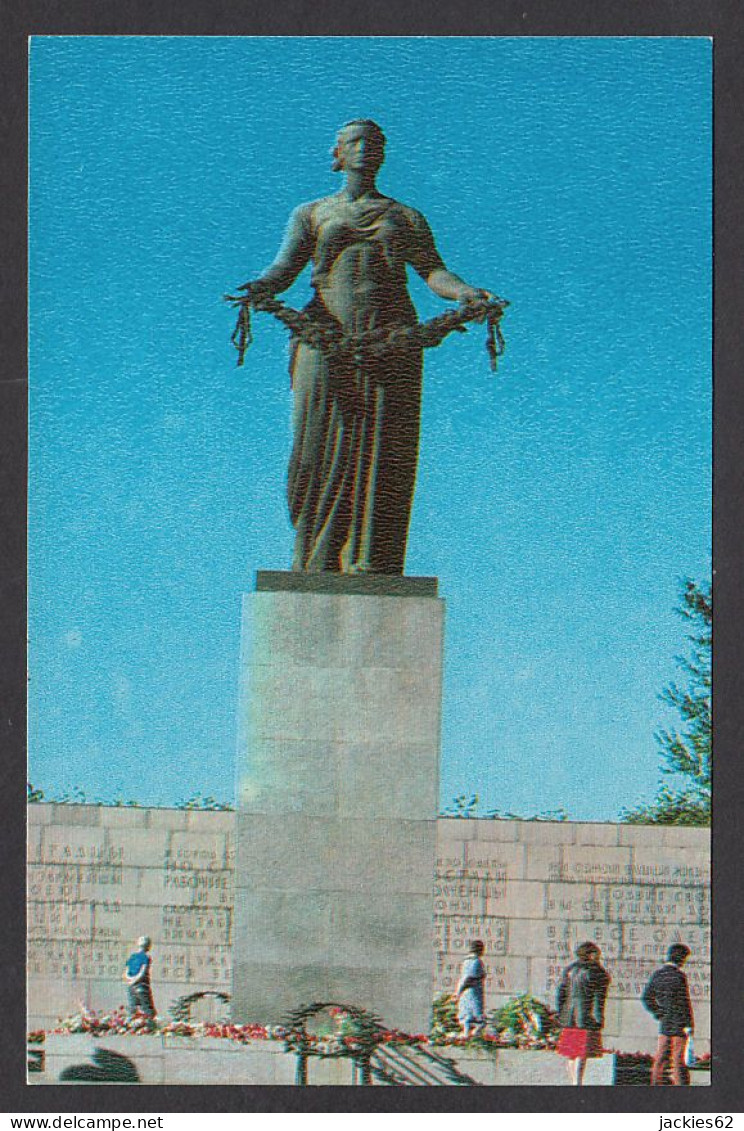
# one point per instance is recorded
(534, 890)
(100, 876)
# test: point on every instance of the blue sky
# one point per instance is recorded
(558, 503)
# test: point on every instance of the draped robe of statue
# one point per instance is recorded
(352, 468)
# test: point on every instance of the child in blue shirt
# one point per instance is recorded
(137, 977)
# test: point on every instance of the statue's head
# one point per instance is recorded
(360, 145)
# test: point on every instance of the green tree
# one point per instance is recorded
(686, 752)
(465, 806)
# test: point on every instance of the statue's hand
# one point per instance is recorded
(256, 290)
(475, 294)
(478, 296)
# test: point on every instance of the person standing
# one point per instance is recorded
(137, 977)
(470, 991)
(667, 998)
(580, 1005)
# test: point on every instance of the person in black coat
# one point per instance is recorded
(580, 1004)
(667, 997)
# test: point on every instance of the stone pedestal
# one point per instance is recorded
(338, 781)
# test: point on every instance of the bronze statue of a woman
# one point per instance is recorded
(356, 411)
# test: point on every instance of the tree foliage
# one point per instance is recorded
(687, 752)
(467, 807)
(77, 796)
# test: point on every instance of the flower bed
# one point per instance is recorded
(524, 1022)
(139, 1025)
(353, 1030)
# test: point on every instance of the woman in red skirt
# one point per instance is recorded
(581, 1002)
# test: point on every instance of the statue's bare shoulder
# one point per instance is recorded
(314, 212)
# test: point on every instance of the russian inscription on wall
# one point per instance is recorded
(99, 877)
(533, 891)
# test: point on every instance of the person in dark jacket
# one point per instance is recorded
(580, 1004)
(667, 997)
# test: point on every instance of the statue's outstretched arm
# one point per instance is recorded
(448, 285)
(431, 267)
(293, 255)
